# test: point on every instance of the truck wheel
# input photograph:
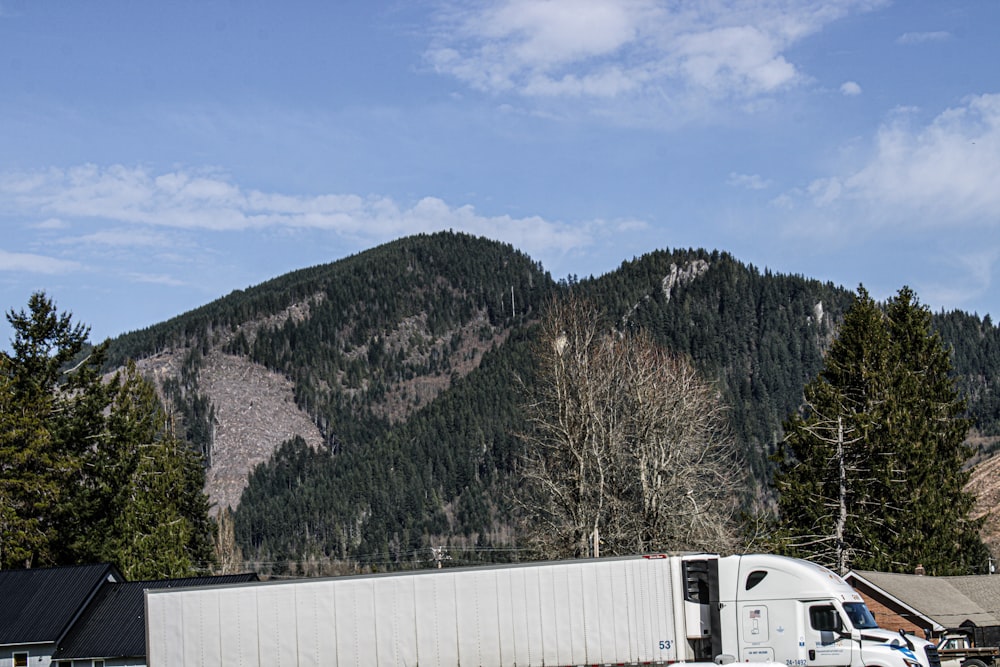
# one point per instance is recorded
(973, 662)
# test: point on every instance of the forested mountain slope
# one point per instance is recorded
(759, 335)
(386, 385)
(335, 354)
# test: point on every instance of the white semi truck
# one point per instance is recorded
(654, 609)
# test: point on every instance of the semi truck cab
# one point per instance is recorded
(790, 611)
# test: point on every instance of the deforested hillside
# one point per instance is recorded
(357, 345)
(369, 409)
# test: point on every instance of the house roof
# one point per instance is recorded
(984, 590)
(40, 604)
(114, 624)
(946, 601)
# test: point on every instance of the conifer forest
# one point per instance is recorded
(425, 371)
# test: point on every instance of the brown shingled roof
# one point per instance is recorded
(948, 601)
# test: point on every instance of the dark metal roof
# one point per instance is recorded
(114, 624)
(39, 604)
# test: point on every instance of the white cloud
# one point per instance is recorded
(611, 48)
(923, 37)
(734, 59)
(22, 262)
(129, 203)
(123, 237)
(748, 181)
(561, 31)
(825, 191)
(51, 223)
(850, 88)
(157, 279)
(924, 183)
(945, 173)
(939, 175)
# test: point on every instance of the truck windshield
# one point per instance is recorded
(861, 618)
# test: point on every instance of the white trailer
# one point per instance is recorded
(618, 611)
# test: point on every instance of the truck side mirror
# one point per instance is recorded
(849, 634)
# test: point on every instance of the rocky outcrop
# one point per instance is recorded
(680, 276)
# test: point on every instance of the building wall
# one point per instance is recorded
(891, 618)
(109, 662)
(38, 655)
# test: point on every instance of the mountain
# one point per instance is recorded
(368, 409)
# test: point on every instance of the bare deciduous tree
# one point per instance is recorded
(228, 556)
(627, 443)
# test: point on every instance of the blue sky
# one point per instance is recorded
(156, 156)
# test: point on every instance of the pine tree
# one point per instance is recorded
(870, 473)
(825, 477)
(51, 407)
(29, 491)
(90, 470)
(930, 524)
(156, 522)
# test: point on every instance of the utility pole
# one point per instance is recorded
(595, 541)
(841, 499)
(439, 554)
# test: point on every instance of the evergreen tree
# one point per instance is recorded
(930, 524)
(51, 407)
(870, 473)
(90, 469)
(155, 524)
(29, 490)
